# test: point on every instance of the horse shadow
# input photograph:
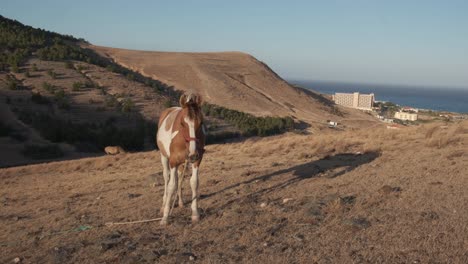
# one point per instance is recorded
(327, 167)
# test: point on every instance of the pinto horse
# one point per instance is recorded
(180, 138)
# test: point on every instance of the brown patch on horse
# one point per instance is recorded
(170, 119)
(168, 113)
(178, 146)
(165, 114)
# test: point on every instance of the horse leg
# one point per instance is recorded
(165, 164)
(181, 179)
(179, 191)
(194, 186)
(171, 187)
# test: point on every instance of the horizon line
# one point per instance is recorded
(399, 85)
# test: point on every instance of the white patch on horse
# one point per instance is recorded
(194, 187)
(166, 136)
(192, 143)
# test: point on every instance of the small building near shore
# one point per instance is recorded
(355, 100)
(406, 116)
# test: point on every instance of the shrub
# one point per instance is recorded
(61, 99)
(221, 137)
(111, 68)
(63, 104)
(48, 87)
(59, 94)
(14, 68)
(68, 65)
(77, 86)
(103, 90)
(55, 129)
(27, 74)
(130, 76)
(111, 101)
(127, 105)
(12, 83)
(34, 67)
(52, 74)
(36, 151)
(249, 124)
(89, 84)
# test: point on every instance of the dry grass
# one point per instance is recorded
(444, 136)
(364, 196)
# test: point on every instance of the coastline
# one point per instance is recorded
(443, 100)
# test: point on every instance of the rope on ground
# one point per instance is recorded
(174, 196)
(109, 224)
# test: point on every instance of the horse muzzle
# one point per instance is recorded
(194, 157)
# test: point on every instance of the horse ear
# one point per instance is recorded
(183, 101)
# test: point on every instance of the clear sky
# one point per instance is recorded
(392, 42)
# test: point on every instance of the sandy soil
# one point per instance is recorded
(364, 196)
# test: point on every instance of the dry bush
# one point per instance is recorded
(456, 154)
(441, 137)
(462, 128)
(431, 130)
(372, 146)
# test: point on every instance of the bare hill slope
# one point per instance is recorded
(232, 79)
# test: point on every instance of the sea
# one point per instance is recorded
(439, 99)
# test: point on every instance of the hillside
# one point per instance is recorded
(234, 80)
(365, 196)
(60, 99)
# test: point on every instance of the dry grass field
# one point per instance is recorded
(358, 196)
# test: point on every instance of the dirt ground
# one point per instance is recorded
(363, 196)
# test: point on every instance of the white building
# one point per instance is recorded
(406, 116)
(355, 100)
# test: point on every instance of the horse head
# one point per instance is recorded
(192, 125)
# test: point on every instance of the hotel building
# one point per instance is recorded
(355, 100)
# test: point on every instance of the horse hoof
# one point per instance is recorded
(163, 222)
(195, 218)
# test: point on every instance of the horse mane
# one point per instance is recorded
(194, 112)
(192, 102)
